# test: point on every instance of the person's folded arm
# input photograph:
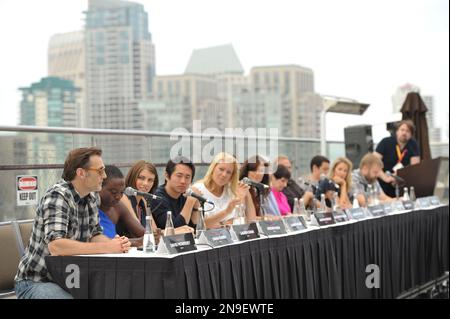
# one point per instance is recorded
(69, 247)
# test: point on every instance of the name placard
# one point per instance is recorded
(388, 208)
(176, 244)
(377, 210)
(295, 223)
(340, 216)
(245, 232)
(435, 201)
(408, 204)
(357, 213)
(424, 202)
(218, 237)
(324, 219)
(398, 206)
(272, 227)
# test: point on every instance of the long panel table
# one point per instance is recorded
(409, 249)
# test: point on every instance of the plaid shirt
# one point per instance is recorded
(61, 213)
(361, 185)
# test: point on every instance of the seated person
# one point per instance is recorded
(279, 181)
(112, 211)
(256, 169)
(329, 188)
(222, 187)
(319, 167)
(66, 223)
(292, 190)
(178, 174)
(340, 174)
(367, 175)
(143, 177)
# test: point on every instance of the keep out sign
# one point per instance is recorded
(27, 190)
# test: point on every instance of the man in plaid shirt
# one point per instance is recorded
(369, 170)
(66, 223)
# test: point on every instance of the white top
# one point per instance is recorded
(220, 203)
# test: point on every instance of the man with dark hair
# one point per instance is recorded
(178, 177)
(66, 223)
(397, 152)
(319, 166)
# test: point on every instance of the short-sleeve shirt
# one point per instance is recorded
(61, 213)
(167, 203)
(220, 203)
(361, 185)
(387, 148)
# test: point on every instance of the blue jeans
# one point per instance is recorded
(28, 289)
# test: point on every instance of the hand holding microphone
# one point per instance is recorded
(199, 197)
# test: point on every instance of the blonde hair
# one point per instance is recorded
(348, 178)
(370, 160)
(223, 158)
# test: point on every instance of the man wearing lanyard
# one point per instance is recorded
(396, 152)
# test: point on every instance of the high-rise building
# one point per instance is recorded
(400, 95)
(198, 93)
(120, 63)
(398, 99)
(120, 68)
(66, 60)
(221, 64)
(50, 102)
(295, 84)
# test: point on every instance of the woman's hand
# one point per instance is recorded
(184, 229)
(232, 204)
(242, 191)
(339, 180)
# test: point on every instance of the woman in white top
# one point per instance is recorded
(222, 187)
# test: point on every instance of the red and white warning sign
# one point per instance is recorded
(27, 190)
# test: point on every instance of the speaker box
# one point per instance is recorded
(358, 142)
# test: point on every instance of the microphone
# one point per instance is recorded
(130, 191)
(249, 182)
(398, 179)
(200, 198)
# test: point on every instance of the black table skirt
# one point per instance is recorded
(410, 249)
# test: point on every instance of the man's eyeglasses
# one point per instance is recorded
(100, 170)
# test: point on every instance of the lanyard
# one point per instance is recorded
(401, 155)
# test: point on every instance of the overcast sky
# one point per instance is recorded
(360, 49)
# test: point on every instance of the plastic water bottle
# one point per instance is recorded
(169, 230)
(200, 228)
(412, 194)
(323, 204)
(149, 244)
(405, 194)
(296, 209)
(335, 204)
(355, 201)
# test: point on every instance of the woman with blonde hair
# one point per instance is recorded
(222, 187)
(341, 174)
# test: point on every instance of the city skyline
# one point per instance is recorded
(359, 41)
